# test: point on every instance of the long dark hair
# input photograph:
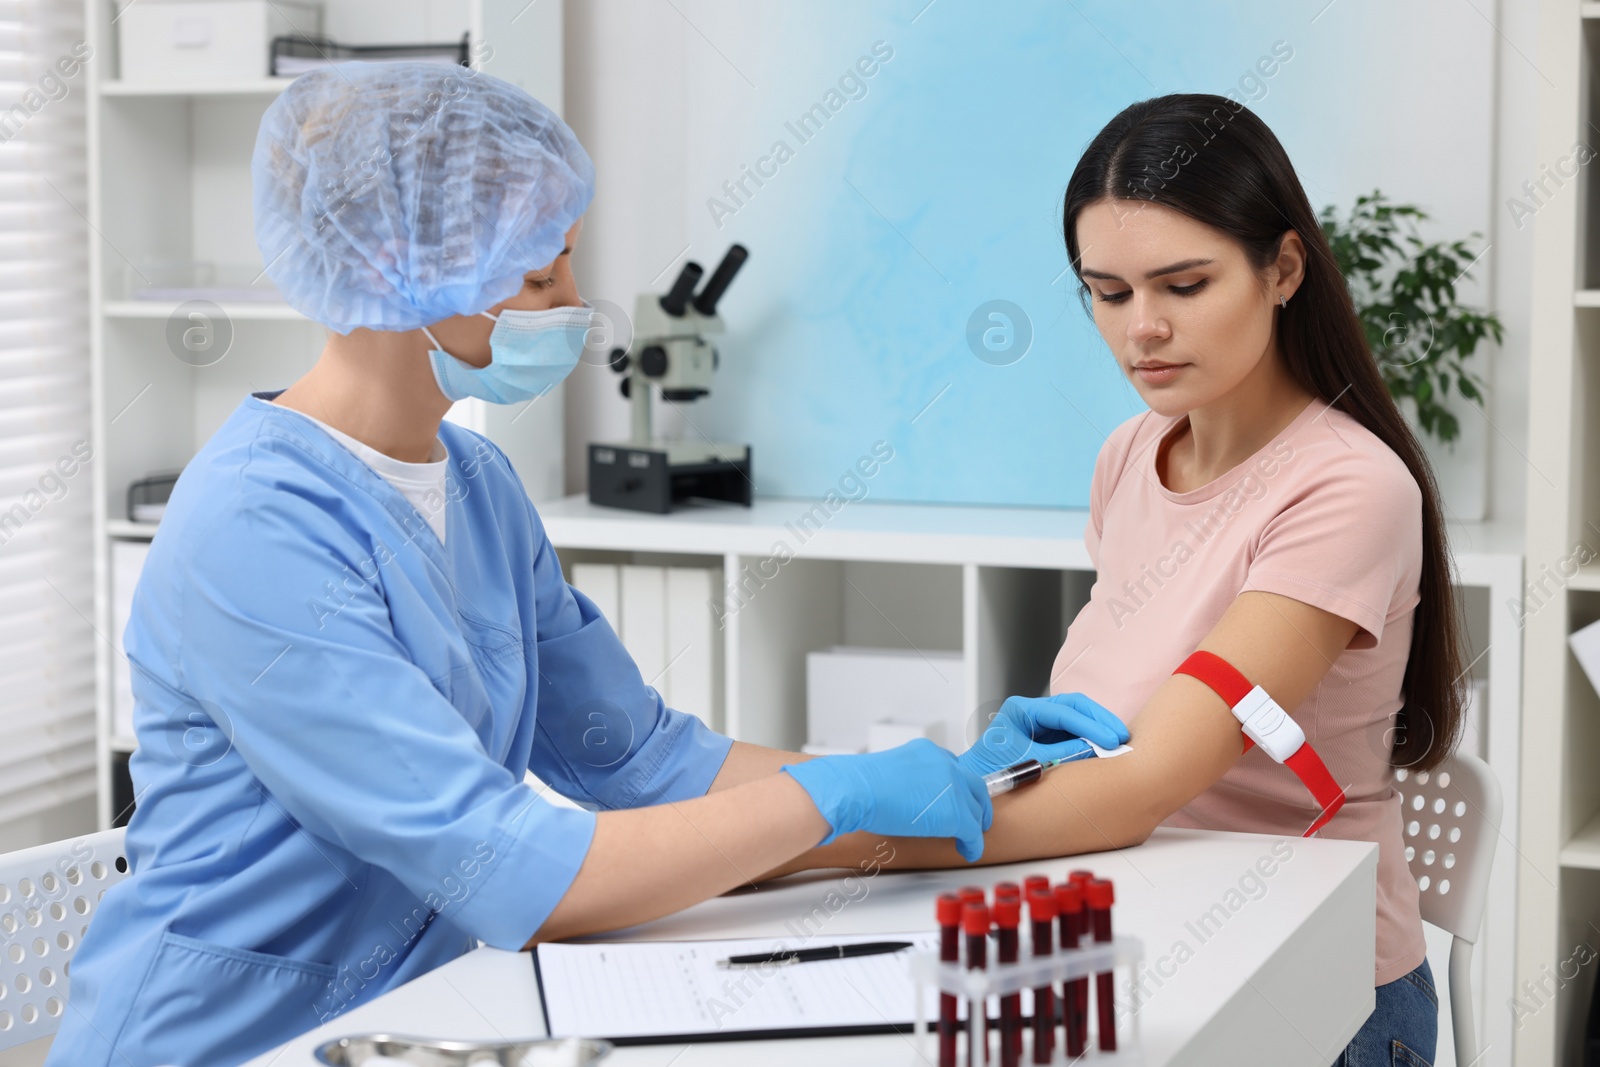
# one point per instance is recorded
(1214, 160)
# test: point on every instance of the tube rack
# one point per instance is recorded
(1121, 955)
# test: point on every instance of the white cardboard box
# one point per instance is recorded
(644, 623)
(186, 41)
(892, 734)
(663, 616)
(849, 689)
(601, 583)
(693, 662)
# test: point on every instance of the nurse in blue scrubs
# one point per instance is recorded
(352, 638)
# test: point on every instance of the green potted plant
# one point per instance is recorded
(1404, 290)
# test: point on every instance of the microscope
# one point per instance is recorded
(675, 356)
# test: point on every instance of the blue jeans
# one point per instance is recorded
(1403, 1027)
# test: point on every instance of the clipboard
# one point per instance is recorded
(671, 992)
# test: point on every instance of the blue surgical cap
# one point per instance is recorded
(394, 195)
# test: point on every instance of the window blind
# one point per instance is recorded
(47, 651)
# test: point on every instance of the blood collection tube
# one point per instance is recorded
(1042, 913)
(1012, 891)
(948, 910)
(1099, 896)
(1074, 993)
(975, 922)
(1007, 916)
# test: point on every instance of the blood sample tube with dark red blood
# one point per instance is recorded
(1074, 993)
(975, 922)
(1042, 914)
(1007, 917)
(1013, 891)
(1100, 896)
(948, 910)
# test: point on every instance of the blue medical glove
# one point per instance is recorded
(1042, 728)
(917, 789)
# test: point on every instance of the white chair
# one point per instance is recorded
(1451, 822)
(47, 895)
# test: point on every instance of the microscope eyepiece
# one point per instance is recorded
(677, 297)
(706, 302)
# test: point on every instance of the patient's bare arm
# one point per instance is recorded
(1183, 740)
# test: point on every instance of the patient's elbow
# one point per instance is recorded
(1141, 823)
(1127, 833)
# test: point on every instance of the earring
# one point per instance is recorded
(1283, 301)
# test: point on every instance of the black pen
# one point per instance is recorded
(809, 955)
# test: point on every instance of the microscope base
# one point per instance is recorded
(654, 478)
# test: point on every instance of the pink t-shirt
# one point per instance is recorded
(1326, 514)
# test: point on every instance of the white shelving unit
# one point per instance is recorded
(169, 181)
(999, 586)
(1558, 911)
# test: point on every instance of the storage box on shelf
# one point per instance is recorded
(187, 41)
(863, 699)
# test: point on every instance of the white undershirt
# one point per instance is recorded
(423, 484)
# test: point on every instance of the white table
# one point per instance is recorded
(1284, 980)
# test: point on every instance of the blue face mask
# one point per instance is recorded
(530, 353)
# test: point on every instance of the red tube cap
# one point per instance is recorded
(1099, 894)
(948, 909)
(1069, 899)
(1008, 912)
(975, 919)
(971, 894)
(1007, 889)
(1042, 905)
(1079, 877)
(1035, 881)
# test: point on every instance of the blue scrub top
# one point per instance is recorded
(335, 712)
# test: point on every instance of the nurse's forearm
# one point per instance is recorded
(747, 763)
(644, 863)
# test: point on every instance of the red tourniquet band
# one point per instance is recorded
(1234, 688)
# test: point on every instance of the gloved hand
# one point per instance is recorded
(917, 789)
(1042, 728)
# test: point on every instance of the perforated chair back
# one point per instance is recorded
(1451, 824)
(47, 895)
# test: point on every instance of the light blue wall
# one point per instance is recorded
(939, 189)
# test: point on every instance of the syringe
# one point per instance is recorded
(1029, 770)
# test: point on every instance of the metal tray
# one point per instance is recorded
(428, 1052)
